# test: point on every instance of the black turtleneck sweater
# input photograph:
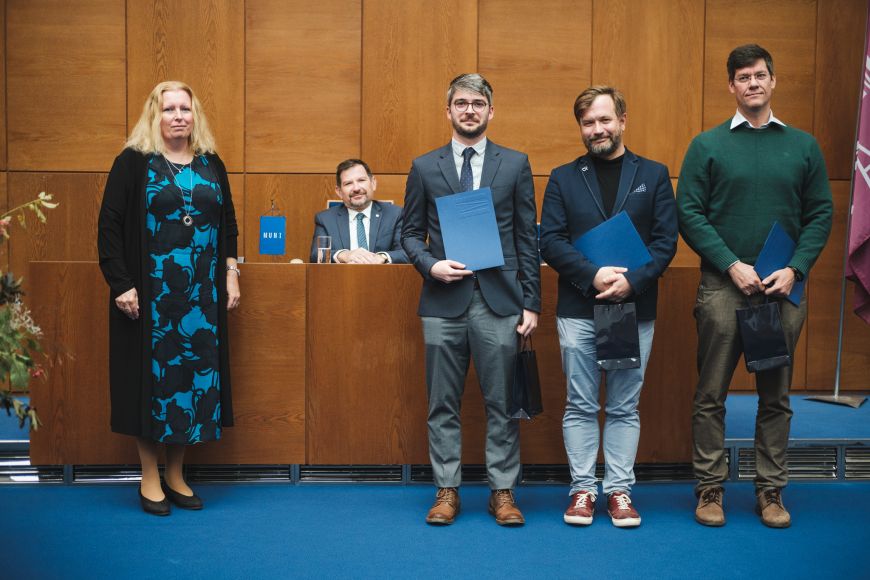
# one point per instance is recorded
(608, 172)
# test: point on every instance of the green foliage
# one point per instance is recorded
(19, 335)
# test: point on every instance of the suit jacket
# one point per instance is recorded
(384, 230)
(572, 206)
(508, 289)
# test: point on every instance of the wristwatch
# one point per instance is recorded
(797, 273)
(234, 269)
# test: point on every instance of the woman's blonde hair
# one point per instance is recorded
(146, 136)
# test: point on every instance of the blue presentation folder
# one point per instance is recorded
(614, 243)
(469, 229)
(775, 255)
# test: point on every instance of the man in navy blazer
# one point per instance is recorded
(608, 180)
(466, 314)
(363, 231)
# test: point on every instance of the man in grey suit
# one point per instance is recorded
(363, 231)
(473, 314)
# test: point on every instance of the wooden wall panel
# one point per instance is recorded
(200, 43)
(267, 361)
(411, 52)
(648, 46)
(391, 187)
(302, 84)
(65, 84)
(2, 84)
(541, 439)
(237, 186)
(823, 319)
(671, 375)
(801, 355)
(292, 88)
(787, 29)
(69, 301)
(540, 188)
(838, 87)
(298, 198)
(4, 205)
(70, 230)
(367, 395)
(536, 74)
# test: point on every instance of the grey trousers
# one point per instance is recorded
(491, 340)
(719, 349)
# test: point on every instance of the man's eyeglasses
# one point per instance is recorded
(759, 76)
(462, 105)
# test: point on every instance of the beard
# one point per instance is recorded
(472, 133)
(359, 204)
(604, 149)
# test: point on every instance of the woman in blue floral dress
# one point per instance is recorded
(167, 244)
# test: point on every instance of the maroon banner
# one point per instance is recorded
(858, 263)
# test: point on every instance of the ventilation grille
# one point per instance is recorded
(107, 473)
(350, 473)
(15, 468)
(803, 463)
(546, 474)
(243, 473)
(857, 463)
(470, 474)
(652, 472)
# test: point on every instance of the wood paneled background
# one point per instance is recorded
(291, 88)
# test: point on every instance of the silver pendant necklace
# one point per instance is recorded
(186, 203)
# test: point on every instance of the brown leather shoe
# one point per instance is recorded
(769, 507)
(504, 508)
(446, 507)
(709, 511)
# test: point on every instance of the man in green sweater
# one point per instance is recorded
(737, 180)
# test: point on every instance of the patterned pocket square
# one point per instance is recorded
(640, 188)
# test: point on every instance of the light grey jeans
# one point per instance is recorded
(580, 423)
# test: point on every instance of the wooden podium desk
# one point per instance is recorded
(327, 364)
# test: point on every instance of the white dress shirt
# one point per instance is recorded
(738, 119)
(351, 224)
(476, 159)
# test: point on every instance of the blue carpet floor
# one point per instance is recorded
(355, 531)
(811, 420)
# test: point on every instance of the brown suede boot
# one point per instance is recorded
(709, 511)
(446, 507)
(769, 507)
(504, 508)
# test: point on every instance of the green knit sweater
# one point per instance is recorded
(735, 184)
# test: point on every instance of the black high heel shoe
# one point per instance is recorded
(188, 502)
(157, 508)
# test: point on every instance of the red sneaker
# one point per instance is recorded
(581, 509)
(622, 513)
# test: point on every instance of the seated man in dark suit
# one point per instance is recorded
(363, 231)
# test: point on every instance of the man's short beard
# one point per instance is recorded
(604, 150)
(473, 134)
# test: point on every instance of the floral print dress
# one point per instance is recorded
(183, 207)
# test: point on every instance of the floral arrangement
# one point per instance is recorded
(19, 334)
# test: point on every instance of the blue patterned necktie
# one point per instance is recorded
(361, 232)
(466, 178)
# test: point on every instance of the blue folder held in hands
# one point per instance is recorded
(775, 255)
(469, 229)
(614, 243)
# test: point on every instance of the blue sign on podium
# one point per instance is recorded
(273, 230)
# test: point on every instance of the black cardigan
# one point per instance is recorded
(123, 251)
